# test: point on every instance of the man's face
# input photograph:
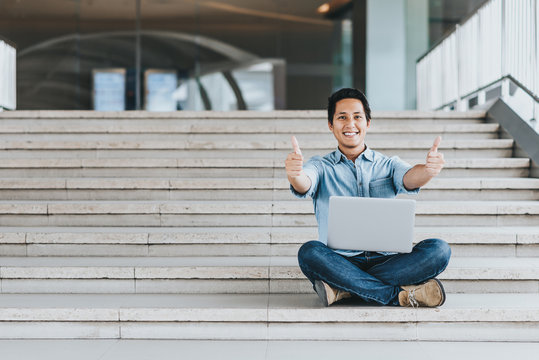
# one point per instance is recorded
(349, 124)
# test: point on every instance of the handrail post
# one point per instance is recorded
(460, 103)
(502, 47)
(8, 76)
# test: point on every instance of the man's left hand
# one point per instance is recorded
(435, 160)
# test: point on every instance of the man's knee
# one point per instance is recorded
(439, 249)
(309, 249)
(313, 252)
(310, 256)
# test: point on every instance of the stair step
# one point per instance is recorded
(230, 275)
(215, 168)
(488, 148)
(247, 213)
(240, 188)
(246, 144)
(109, 349)
(464, 317)
(70, 241)
(45, 115)
(209, 126)
(238, 183)
(226, 235)
(212, 132)
(211, 163)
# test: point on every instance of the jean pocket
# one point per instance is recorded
(382, 188)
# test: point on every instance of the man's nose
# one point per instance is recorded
(349, 120)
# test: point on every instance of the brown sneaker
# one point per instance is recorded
(429, 294)
(329, 295)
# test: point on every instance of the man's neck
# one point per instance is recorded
(353, 153)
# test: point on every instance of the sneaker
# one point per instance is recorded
(329, 295)
(429, 294)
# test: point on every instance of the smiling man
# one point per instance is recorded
(406, 279)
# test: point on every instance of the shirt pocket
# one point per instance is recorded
(382, 188)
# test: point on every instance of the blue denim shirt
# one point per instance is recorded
(371, 175)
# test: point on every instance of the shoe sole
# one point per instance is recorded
(443, 291)
(321, 291)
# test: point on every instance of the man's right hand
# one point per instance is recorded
(294, 161)
(294, 169)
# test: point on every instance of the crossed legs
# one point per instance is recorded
(372, 276)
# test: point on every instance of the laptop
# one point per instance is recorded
(371, 224)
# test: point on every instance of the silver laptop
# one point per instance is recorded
(371, 224)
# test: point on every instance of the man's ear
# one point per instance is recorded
(330, 126)
(368, 123)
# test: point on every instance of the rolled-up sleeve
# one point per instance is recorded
(311, 170)
(400, 168)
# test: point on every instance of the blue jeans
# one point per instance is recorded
(371, 276)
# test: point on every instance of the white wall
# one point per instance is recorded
(417, 44)
(397, 34)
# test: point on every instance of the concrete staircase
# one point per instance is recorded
(181, 226)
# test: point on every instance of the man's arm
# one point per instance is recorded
(294, 169)
(421, 174)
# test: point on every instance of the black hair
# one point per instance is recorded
(347, 93)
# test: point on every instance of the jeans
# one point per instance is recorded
(371, 276)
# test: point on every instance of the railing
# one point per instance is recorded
(8, 88)
(493, 50)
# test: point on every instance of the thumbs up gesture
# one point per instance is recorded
(435, 160)
(294, 161)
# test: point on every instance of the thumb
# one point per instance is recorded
(296, 145)
(437, 141)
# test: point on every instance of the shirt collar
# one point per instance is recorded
(338, 156)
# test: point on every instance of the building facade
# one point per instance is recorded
(222, 54)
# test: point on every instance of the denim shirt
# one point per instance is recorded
(371, 175)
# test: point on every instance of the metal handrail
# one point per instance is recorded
(498, 41)
(491, 85)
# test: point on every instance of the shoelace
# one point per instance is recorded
(412, 300)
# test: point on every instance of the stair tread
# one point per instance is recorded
(107, 349)
(224, 229)
(247, 145)
(248, 126)
(235, 262)
(258, 308)
(244, 235)
(423, 207)
(224, 162)
(227, 115)
(236, 183)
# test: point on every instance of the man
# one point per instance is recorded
(354, 169)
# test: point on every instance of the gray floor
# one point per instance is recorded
(253, 350)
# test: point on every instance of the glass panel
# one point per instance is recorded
(159, 87)
(257, 86)
(107, 40)
(61, 43)
(220, 94)
(46, 51)
(217, 47)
